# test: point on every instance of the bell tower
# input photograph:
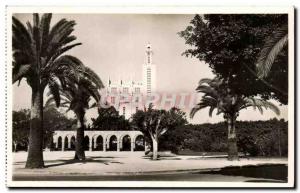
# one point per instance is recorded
(149, 72)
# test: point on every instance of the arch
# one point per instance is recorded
(66, 142)
(113, 143)
(73, 142)
(99, 143)
(139, 143)
(121, 140)
(86, 142)
(59, 143)
(126, 143)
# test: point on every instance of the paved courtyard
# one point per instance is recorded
(115, 164)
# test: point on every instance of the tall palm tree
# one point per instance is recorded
(274, 44)
(38, 57)
(218, 96)
(76, 96)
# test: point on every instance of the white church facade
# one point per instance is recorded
(125, 95)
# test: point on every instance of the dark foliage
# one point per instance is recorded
(231, 44)
(53, 120)
(109, 119)
(256, 138)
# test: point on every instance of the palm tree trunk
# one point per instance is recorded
(232, 139)
(35, 149)
(79, 145)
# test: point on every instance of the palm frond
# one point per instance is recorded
(205, 81)
(20, 33)
(54, 88)
(90, 74)
(64, 49)
(198, 107)
(65, 66)
(44, 28)
(211, 110)
(21, 72)
(273, 46)
(50, 102)
(59, 36)
(260, 104)
(89, 89)
(36, 35)
(207, 90)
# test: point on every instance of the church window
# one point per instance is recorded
(125, 90)
(114, 90)
(124, 111)
(113, 100)
(137, 90)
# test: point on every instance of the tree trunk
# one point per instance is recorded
(79, 145)
(15, 146)
(155, 148)
(232, 139)
(35, 149)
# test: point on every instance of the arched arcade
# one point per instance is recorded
(101, 141)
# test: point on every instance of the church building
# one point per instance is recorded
(120, 93)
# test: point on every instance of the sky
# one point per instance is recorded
(113, 45)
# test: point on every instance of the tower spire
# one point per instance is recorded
(149, 54)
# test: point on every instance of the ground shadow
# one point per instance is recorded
(162, 158)
(267, 171)
(87, 160)
(95, 159)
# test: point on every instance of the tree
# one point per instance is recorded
(231, 44)
(38, 57)
(255, 138)
(274, 47)
(154, 123)
(53, 120)
(219, 96)
(76, 96)
(109, 119)
(21, 126)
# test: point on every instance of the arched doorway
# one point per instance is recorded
(86, 143)
(139, 143)
(126, 143)
(66, 143)
(73, 143)
(99, 143)
(113, 143)
(59, 143)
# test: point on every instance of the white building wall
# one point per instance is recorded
(145, 87)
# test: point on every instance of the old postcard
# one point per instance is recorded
(150, 97)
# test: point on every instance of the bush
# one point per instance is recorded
(256, 138)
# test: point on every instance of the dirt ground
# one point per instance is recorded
(126, 163)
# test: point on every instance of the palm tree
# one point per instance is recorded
(274, 44)
(76, 96)
(218, 96)
(37, 57)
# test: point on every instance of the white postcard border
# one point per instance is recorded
(149, 10)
